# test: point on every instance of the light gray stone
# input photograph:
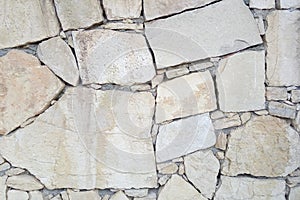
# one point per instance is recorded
(282, 110)
(245, 117)
(3, 187)
(240, 82)
(122, 9)
(289, 4)
(283, 41)
(75, 14)
(35, 195)
(14, 171)
(4, 166)
(24, 182)
(200, 66)
(184, 136)
(172, 73)
(295, 96)
(294, 193)
(189, 36)
(184, 96)
(84, 195)
(262, 4)
(250, 188)
(136, 192)
(296, 122)
(119, 196)
(17, 195)
(106, 56)
(138, 27)
(227, 122)
(260, 24)
(26, 21)
(167, 168)
(276, 93)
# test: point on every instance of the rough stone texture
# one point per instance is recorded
(265, 146)
(3, 187)
(295, 96)
(276, 93)
(183, 38)
(106, 56)
(24, 182)
(294, 193)
(158, 8)
(61, 148)
(283, 41)
(185, 96)
(240, 82)
(122, 9)
(178, 188)
(36, 86)
(227, 122)
(202, 169)
(20, 25)
(282, 110)
(119, 196)
(84, 195)
(290, 4)
(262, 4)
(57, 55)
(74, 14)
(184, 136)
(250, 188)
(17, 195)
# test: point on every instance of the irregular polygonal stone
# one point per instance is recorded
(265, 146)
(122, 9)
(17, 195)
(106, 56)
(119, 196)
(283, 41)
(14, 171)
(240, 82)
(185, 96)
(24, 182)
(158, 8)
(289, 4)
(184, 136)
(57, 55)
(276, 93)
(282, 110)
(89, 139)
(30, 21)
(190, 36)
(3, 187)
(262, 4)
(84, 195)
(294, 193)
(26, 89)
(172, 73)
(75, 14)
(178, 188)
(202, 169)
(250, 188)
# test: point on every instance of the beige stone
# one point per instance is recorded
(62, 147)
(283, 41)
(122, 9)
(282, 110)
(294, 193)
(262, 4)
(136, 192)
(190, 36)
(181, 169)
(220, 155)
(227, 122)
(26, 89)
(106, 56)
(184, 136)
(158, 8)
(119, 196)
(35, 195)
(167, 168)
(185, 96)
(3, 187)
(24, 182)
(240, 82)
(178, 188)
(23, 22)
(57, 55)
(265, 146)
(276, 93)
(17, 195)
(202, 169)
(180, 71)
(250, 188)
(84, 195)
(221, 141)
(75, 14)
(295, 96)
(289, 4)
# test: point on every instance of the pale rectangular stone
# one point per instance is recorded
(282, 110)
(262, 4)
(276, 93)
(295, 96)
(227, 122)
(122, 9)
(200, 66)
(172, 73)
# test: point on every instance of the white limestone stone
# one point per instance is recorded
(227, 122)
(167, 168)
(262, 4)
(122, 9)
(184, 136)
(184, 96)
(24, 182)
(190, 36)
(240, 82)
(136, 192)
(172, 73)
(106, 56)
(23, 22)
(83, 195)
(57, 55)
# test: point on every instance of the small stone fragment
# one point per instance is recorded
(123, 26)
(167, 168)
(4, 166)
(136, 192)
(245, 117)
(119, 196)
(162, 180)
(141, 87)
(57, 55)
(260, 24)
(282, 110)
(14, 171)
(75, 14)
(180, 71)
(181, 169)
(294, 193)
(24, 182)
(220, 155)
(35, 195)
(221, 141)
(227, 122)
(289, 4)
(276, 93)
(184, 136)
(293, 181)
(250, 188)
(261, 112)
(122, 9)
(217, 114)
(157, 80)
(84, 195)
(295, 96)
(17, 195)
(262, 4)
(200, 66)
(202, 169)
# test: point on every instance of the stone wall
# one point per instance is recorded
(145, 100)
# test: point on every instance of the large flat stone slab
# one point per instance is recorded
(106, 56)
(88, 139)
(26, 21)
(218, 29)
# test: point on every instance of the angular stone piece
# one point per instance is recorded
(184, 136)
(265, 146)
(290, 4)
(294, 193)
(57, 55)
(185, 96)
(178, 188)
(3, 187)
(240, 82)
(262, 4)
(276, 93)
(75, 14)
(200, 66)
(221, 141)
(202, 169)
(106, 56)
(296, 122)
(250, 188)
(283, 41)
(84, 195)
(167, 168)
(158, 8)
(14, 171)
(138, 27)
(24, 182)
(295, 96)
(119, 196)
(227, 122)
(4, 166)
(282, 110)
(17, 195)
(122, 9)
(26, 89)
(30, 21)
(190, 36)
(89, 139)
(245, 117)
